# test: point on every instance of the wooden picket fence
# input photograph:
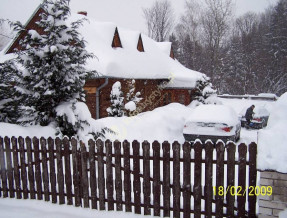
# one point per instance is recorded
(152, 179)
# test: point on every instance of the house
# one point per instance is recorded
(124, 55)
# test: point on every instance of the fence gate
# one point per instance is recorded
(159, 179)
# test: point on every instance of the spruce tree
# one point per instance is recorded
(8, 108)
(132, 97)
(53, 59)
(117, 101)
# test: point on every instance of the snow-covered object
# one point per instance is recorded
(130, 106)
(213, 114)
(163, 123)
(272, 141)
(128, 62)
(116, 108)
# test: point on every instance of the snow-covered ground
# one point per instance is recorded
(15, 208)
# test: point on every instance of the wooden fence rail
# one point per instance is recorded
(152, 179)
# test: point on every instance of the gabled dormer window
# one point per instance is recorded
(116, 40)
(140, 46)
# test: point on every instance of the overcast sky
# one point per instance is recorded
(125, 13)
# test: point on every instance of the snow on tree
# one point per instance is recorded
(53, 72)
(7, 92)
(204, 93)
(132, 98)
(117, 101)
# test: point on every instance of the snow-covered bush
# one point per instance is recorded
(204, 93)
(132, 98)
(117, 101)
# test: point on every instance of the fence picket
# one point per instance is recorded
(68, 177)
(9, 167)
(23, 167)
(93, 176)
(208, 189)
(166, 179)
(85, 181)
(197, 189)
(38, 173)
(76, 173)
(219, 179)
(241, 194)
(43, 143)
(230, 198)
(109, 172)
(101, 175)
(146, 177)
(156, 178)
(3, 169)
(60, 174)
(252, 179)
(16, 168)
(186, 180)
(176, 179)
(31, 174)
(137, 182)
(118, 175)
(127, 176)
(52, 169)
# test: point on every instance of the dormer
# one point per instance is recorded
(140, 46)
(116, 40)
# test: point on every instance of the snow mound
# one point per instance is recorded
(162, 124)
(272, 141)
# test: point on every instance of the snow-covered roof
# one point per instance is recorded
(128, 62)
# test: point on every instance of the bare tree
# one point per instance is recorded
(216, 22)
(6, 33)
(159, 20)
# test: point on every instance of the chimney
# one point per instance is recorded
(83, 13)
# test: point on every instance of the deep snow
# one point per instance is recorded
(17, 208)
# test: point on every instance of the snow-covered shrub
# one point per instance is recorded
(117, 101)
(132, 98)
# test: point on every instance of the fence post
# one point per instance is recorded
(127, 176)
(230, 198)
(16, 168)
(93, 177)
(9, 167)
(76, 173)
(45, 168)
(118, 179)
(3, 170)
(38, 173)
(166, 178)
(137, 181)
(156, 177)
(252, 179)
(197, 189)
(208, 191)
(242, 148)
(219, 178)
(60, 174)
(85, 182)
(176, 179)
(68, 177)
(146, 175)
(109, 173)
(23, 167)
(53, 180)
(101, 175)
(186, 180)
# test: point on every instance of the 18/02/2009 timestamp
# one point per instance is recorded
(242, 191)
